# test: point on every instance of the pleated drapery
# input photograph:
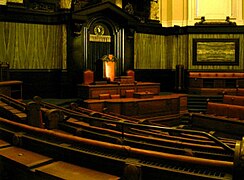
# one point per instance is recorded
(33, 46)
(160, 52)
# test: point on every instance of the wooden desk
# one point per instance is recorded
(157, 105)
(22, 157)
(18, 163)
(11, 88)
(63, 170)
(93, 91)
(141, 107)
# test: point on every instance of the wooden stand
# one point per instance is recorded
(93, 91)
(143, 107)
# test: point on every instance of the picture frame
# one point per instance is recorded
(215, 51)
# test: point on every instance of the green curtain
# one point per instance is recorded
(33, 46)
(160, 52)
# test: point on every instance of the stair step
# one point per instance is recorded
(197, 110)
(198, 103)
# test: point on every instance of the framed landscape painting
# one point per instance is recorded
(215, 51)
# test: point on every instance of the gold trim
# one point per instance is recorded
(3, 2)
(99, 30)
(16, 1)
(98, 38)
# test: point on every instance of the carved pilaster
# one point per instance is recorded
(154, 10)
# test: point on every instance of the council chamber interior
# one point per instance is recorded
(121, 89)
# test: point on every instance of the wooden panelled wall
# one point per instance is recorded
(165, 52)
(33, 46)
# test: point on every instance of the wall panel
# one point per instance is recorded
(33, 46)
(160, 52)
(216, 67)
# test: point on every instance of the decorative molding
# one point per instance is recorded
(40, 6)
(129, 8)
(109, 58)
(154, 10)
(227, 22)
(77, 29)
(178, 23)
(65, 4)
(16, 1)
(235, 14)
(3, 2)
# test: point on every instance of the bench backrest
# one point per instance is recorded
(216, 75)
(226, 110)
(235, 100)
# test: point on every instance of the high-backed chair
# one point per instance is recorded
(129, 93)
(131, 73)
(88, 77)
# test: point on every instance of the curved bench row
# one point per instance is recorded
(226, 110)
(235, 100)
(216, 75)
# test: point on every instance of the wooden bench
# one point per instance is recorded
(215, 83)
(217, 109)
(235, 100)
(218, 123)
(226, 118)
(225, 110)
(11, 112)
(240, 92)
(64, 170)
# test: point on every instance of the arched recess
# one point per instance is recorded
(86, 47)
(104, 37)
